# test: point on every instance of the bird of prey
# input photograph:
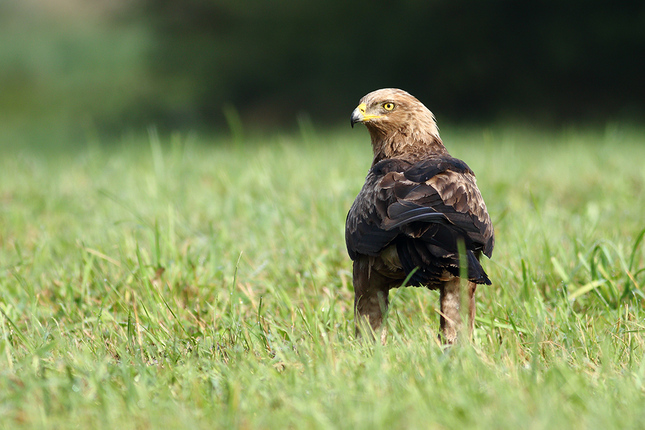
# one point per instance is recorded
(417, 209)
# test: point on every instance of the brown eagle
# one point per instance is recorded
(416, 207)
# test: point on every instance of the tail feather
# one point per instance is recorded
(430, 262)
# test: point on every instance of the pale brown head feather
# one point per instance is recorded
(409, 130)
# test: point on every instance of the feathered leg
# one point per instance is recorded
(370, 297)
(450, 300)
(472, 287)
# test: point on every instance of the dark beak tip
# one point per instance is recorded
(354, 118)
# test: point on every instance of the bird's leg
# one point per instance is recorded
(472, 287)
(370, 298)
(450, 299)
(369, 308)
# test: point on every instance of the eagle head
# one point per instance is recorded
(396, 119)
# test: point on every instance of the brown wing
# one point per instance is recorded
(365, 232)
(424, 208)
(460, 191)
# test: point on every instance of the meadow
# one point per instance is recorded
(186, 281)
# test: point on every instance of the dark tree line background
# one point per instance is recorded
(552, 60)
(102, 66)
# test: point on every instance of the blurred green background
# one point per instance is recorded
(81, 69)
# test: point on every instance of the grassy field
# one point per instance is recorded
(185, 282)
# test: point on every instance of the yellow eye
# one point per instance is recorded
(388, 106)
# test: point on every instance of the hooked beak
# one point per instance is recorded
(359, 115)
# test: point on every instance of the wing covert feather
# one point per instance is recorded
(403, 199)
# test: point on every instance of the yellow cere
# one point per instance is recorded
(366, 117)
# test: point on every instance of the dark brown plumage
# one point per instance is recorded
(418, 203)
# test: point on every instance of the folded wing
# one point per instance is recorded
(425, 209)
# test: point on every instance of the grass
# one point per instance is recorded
(187, 283)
